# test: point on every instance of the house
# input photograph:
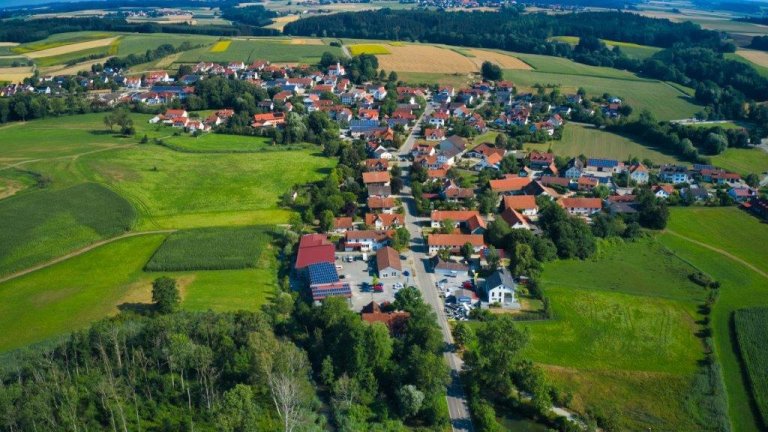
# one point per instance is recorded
(581, 206)
(454, 145)
(675, 174)
(454, 193)
(451, 269)
(388, 262)
(313, 249)
(324, 282)
(433, 134)
(376, 177)
(268, 120)
(540, 160)
(663, 191)
(500, 288)
(365, 240)
(384, 205)
(525, 204)
(695, 193)
(384, 221)
(639, 173)
(382, 152)
(336, 70)
(379, 190)
(454, 242)
(575, 168)
(605, 166)
(342, 225)
(394, 320)
(510, 184)
(741, 194)
(514, 219)
(586, 184)
(467, 219)
(758, 206)
(485, 150)
(376, 165)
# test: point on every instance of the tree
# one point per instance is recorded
(401, 239)
(21, 110)
(523, 262)
(165, 294)
(467, 250)
(501, 140)
(492, 257)
(287, 371)
(326, 220)
(410, 399)
(463, 334)
(490, 71)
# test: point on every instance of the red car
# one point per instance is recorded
(379, 287)
(467, 285)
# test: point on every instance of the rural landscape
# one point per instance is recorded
(392, 216)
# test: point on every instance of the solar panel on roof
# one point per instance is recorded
(322, 273)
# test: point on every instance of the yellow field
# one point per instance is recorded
(15, 75)
(757, 57)
(221, 46)
(280, 22)
(434, 59)
(66, 49)
(368, 49)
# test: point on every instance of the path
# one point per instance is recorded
(721, 252)
(72, 156)
(346, 52)
(79, 252)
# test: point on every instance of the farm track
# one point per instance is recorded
(80, 252)
(721, 252)
(73, 157)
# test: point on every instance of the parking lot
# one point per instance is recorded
(359, 274)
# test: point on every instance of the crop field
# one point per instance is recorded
(622, 321)
(439, 59)
(742, 161)
(140, 43)
(210, 249)
(667, 102)
(15, 74)
(60, 40)
(42, 225)
(583, 139)
(751, 326)
(631, 49)
(71, 48)
(738, 239)
(759, 58)
(743, 56)
(221, 46)
(67, 58)
(376, 49)
(456, 80)
(280, 22)
(272, 49)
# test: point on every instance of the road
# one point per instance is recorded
(417, 257)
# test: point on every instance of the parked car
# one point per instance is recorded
(379, 287)
(467, 285)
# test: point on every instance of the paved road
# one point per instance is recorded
(458, 408)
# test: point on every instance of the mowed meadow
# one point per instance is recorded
(71, 183)
(623, 334)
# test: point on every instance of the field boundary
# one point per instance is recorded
(80, 252)
(721, 252)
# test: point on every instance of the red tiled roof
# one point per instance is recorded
(388, 257)
(375, 177)
(455, 240)
(512, 217)
(380, 203)
(342, 222)
(458, 216)
(395, 320)
(520, 202)
(314, 248)
(510, 183)
(386, 219)
(592, 203)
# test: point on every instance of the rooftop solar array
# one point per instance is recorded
(322, 273)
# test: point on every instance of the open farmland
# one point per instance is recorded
(751, 326)
(60, 40)
(217, 143)
(272, 49)
(742, 161)
(280, 22)
(727, 244)
(210, 249)
(759, 58)
(438, 59)
(43, 225)
(375, 49)
(221, 46)
(581, 139)
(631, 49)
(623, 321)
(15, 74)
(71, 48)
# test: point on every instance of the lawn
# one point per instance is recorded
(275, 50)
(42, 225)
(581, 139)
(666, 101)
(376, 49)
(210, 249)
(70, 295)
(622, 336)
(751, 326)
(741, 287)
(742, 161)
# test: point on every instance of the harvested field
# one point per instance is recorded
(280, 22)
(66, 49)
(305, 41)
(503, 60)
(15, 74)
(221, 46)
(434, 59)
(758, 57)
(74, 69)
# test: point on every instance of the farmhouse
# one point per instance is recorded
(639, 173)
(313, 249)
(581, 206)
(268, 120)
(388, 262)
(342, 224)
(454, 242)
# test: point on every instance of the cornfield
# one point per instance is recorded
(751, 327)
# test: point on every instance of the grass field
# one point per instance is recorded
(423, 58)
(59, 40)
(140, 43)
(631, 49)
(581, 139)
(70, 295)
(214, 142)
(751, 326)
(375, 49)
(272, 49)
(756, 59)
(221, 46)
(456, 80)
(42, 225)
(622, 337)
(66, 58)
(210, 249)
(742, 161)
(739, 234)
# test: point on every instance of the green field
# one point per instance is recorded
(140, 43)
(213, 143)
(276, 50)
(666, 101)
(77, 55)
(210, 249)
(43, 225)
(742, 161)
(60, 39)
(751, 326)
(456, 80)
(70, 295)
(733, 232)
(583, 139)
(631, 49)
(622, 337)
